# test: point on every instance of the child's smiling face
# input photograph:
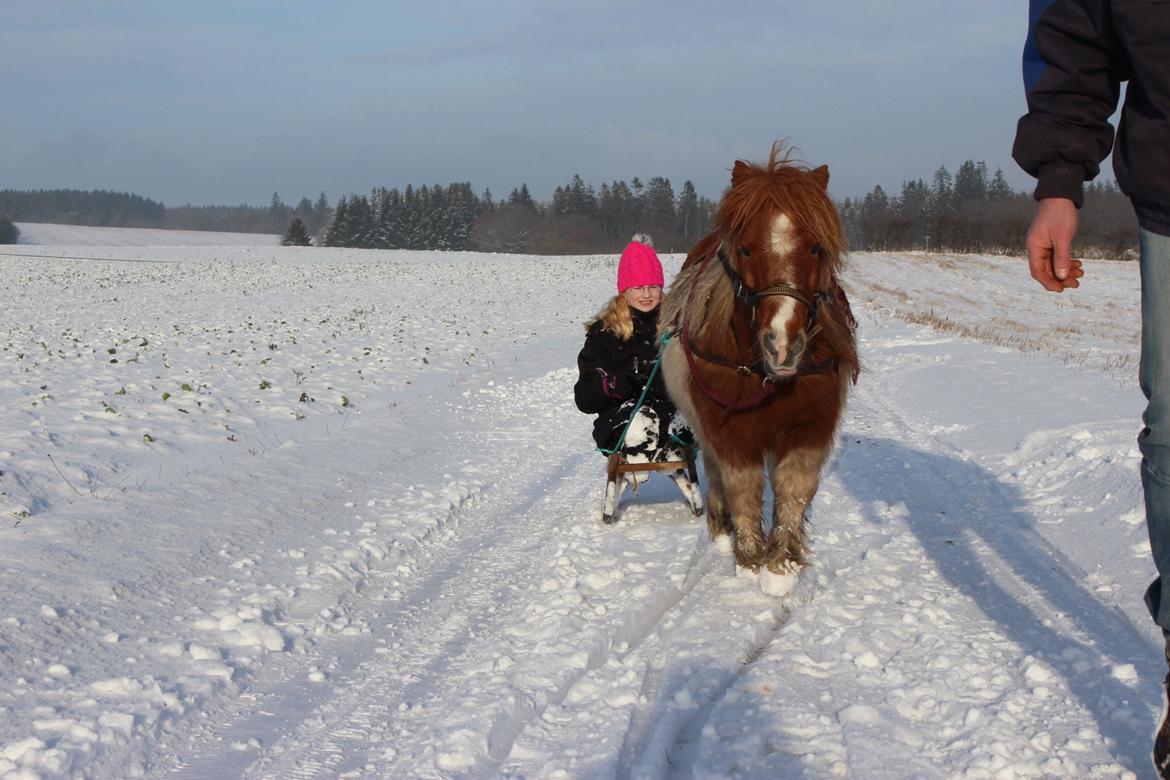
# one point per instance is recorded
(644, 298)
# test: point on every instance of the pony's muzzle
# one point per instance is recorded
(782, 355)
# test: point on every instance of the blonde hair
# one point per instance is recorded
(615, 317)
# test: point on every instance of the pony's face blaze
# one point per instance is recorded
(788, 260)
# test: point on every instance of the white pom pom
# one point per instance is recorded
(642, 238)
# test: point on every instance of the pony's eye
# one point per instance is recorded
(743, 250)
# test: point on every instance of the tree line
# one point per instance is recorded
(972, 211)
(99, 208)
(103, 208)
(578, 219)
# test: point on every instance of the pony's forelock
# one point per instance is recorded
(782, 184)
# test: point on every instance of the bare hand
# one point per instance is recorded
(1050, 245)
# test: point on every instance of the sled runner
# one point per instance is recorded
(682, 472)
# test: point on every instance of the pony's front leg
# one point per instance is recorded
(743, 487)
(718, 515)
(795, 478)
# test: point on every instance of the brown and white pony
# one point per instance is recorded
(762, 357)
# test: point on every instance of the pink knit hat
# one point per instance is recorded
(639, 266)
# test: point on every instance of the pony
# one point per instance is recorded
(762, 355)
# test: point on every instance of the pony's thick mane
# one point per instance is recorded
(782, 184)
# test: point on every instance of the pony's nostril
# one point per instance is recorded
(789, 358)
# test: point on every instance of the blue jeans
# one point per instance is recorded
(1154, 440)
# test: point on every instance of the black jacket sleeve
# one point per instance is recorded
(596, 363)
(1072, 71)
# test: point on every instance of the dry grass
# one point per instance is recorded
(992, 300)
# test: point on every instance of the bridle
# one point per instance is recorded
(751, 299)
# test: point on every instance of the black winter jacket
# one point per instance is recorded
(1077, 54)
(612, 371)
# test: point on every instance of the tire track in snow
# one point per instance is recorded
(479, 610)
(440, 616)
(661, 688)
(516, 704)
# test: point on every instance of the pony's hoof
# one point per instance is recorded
(608, 519)
(779, 584)
(723, 543)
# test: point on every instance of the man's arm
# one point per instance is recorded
(1073, 70)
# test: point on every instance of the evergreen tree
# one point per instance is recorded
(686, 225)
(971, 182)
(9, 233)
(911, 213)
(941, 190)
(296, 235)
(360, 220)
(522, 197)
(338, 232)
(618, 210)
(875, 211)
(278, 213)
(658, 214)
(999, 189)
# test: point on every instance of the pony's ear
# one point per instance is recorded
(740, 170)
(822, 176)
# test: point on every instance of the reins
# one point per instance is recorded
(641, 398)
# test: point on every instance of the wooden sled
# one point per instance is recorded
(618, 468)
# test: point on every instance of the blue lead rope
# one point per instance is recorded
(641, 399)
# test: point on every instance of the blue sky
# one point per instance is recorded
(217, 102)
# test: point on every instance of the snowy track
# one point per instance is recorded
(415, 583)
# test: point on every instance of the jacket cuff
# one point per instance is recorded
(1060, 179)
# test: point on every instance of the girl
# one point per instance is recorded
(621, 347)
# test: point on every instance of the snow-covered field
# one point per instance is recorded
(292, 513)
(61, 236)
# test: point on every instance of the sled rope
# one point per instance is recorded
(641, 399)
